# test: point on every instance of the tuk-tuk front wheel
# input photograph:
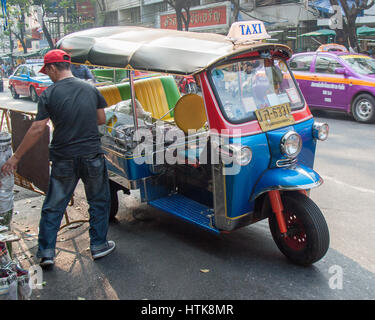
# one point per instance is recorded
(307, 237)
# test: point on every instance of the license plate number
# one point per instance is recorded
(270, 118)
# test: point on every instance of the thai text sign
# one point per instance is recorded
(198, 18)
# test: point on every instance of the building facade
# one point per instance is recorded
(285, 20)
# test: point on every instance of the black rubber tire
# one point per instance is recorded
(114, 201)
(13, 92)
(368, 101)
(33, 95)
(314, 227)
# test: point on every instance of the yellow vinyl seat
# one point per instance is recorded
(156, 94)
(111, 94)
(151, 94)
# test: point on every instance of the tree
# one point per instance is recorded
(181, 18)
(347, 35)
(66, 9)
(102, 16)
(235, 9)
(45, 5)
(16, 12)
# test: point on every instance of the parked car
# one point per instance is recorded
(26, 80)
(337, 80)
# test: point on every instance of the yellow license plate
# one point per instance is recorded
(270, 118)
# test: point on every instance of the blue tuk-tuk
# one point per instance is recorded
(239, 151)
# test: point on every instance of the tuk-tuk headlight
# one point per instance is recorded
(320, 130)
(235, 153)
(291, 144)
(243, 156)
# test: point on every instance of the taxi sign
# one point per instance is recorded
(247, 31)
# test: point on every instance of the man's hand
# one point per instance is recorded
(10, 166)
(30, 139)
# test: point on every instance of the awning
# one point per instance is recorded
(326, 7)
(365, 31)
(319, 33)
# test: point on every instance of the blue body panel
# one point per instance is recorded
(238, 187)
(299, 177)
(186, 209)
(127, 167)
(261, 173)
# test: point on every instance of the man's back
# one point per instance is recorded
(72, 104)
(81, 71)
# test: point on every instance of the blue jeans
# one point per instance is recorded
(65, 174)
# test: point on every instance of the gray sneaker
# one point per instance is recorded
(110, 246)
(46, 262)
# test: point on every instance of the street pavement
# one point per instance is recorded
(160, 257)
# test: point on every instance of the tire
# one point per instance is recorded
(363, 108)
(114, 201)
(33, 95)
(13, 92)
(307, 239)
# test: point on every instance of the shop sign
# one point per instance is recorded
(85, 8)
(198, 18)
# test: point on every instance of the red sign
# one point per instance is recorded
(198, 18)
(85, 9)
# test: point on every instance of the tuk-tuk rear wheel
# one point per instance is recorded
(307, 238)
(114, 200)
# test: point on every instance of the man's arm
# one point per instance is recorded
(100, 116)
(31, 138)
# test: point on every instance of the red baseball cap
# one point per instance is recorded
(55, 55)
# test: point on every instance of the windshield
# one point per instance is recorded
(245, 86)
(35, 70)
(360, 64)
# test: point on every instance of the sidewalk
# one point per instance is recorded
(75, 275)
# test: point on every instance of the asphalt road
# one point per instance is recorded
(161, 257)
(23, 103)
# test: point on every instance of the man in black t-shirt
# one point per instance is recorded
(75, 108)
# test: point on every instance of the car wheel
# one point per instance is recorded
(13, 92)
(33, 94)
(363, 108)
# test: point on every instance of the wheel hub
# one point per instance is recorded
(364, 109)
(296, 237)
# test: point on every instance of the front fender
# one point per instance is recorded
(298, 177)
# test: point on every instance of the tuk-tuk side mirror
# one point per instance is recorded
(340, 71)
